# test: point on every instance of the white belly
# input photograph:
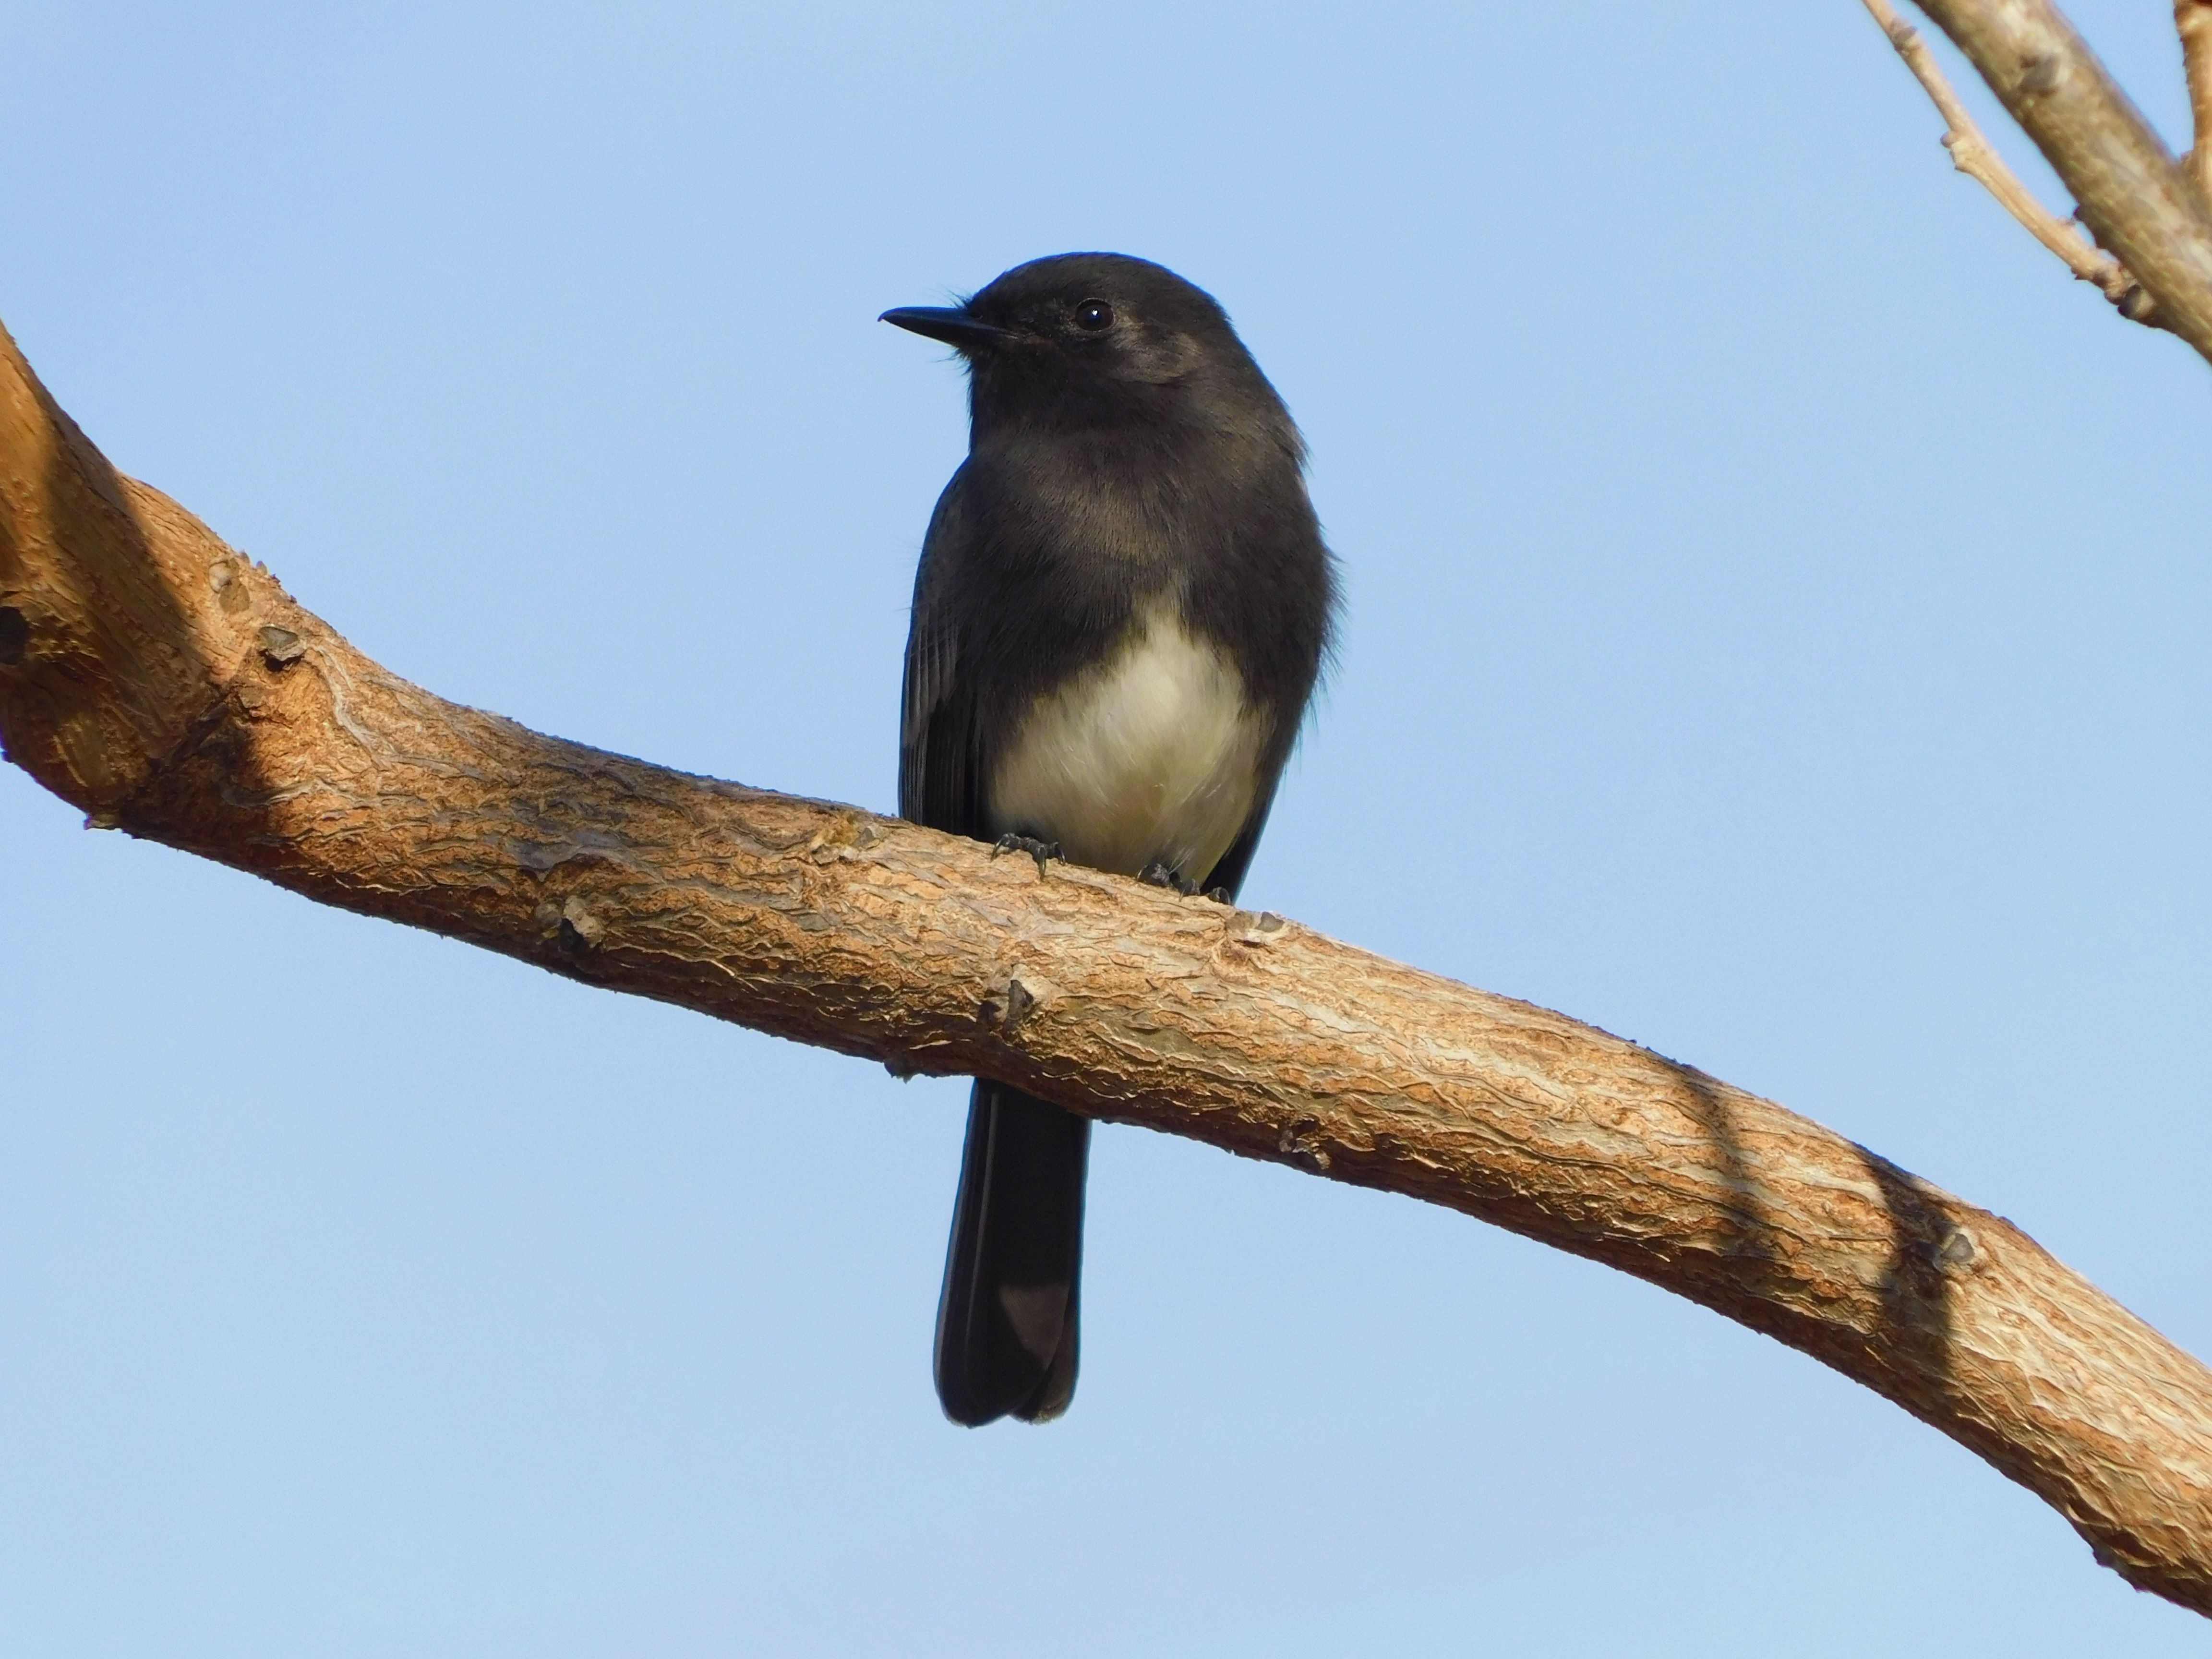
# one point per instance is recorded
(1148, 757)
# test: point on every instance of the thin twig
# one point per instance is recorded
(1975, 156)
(2192, 20)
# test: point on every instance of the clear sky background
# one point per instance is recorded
(1776, 610)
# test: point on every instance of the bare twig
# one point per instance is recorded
(2131, 195)
(1974, 155)
(2192, 20)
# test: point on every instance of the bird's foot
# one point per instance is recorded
(1157, 874)
(1043, 851)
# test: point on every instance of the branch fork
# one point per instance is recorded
(1974, 155)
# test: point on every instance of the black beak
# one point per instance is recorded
(949, 324)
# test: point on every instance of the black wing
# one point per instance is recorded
(941, 782)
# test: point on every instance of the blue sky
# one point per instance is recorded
(1776, 613)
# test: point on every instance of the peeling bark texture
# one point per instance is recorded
(2132, 195)
(166, 685)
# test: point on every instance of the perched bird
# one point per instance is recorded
(1122, 606)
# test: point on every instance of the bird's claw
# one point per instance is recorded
(1157, 874)
(1043, 851)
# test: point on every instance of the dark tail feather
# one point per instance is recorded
(1006, 1323)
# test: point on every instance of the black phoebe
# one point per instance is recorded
(1122, 606)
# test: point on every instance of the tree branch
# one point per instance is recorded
(2193, 22)
(162, 682)
(1975, 156)
(2133, 196)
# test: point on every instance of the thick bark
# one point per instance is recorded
(2133, 196)
(162, 682)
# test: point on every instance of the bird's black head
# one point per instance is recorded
(1084, 339)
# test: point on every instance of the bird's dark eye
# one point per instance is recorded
(1094, 316)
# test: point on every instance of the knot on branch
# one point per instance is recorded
(1300, 1144)
(1004, 1011)
(570, 925)
(281, 646)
